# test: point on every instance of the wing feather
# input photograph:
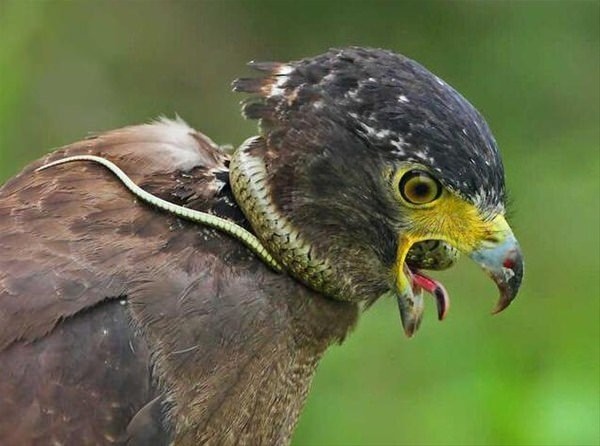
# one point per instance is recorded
(69, 236)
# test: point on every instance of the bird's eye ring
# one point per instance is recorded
(419, 187)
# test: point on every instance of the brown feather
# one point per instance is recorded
(109, 307)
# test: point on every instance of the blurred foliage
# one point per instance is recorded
(529, 376)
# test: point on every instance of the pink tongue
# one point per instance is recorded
(436, 289)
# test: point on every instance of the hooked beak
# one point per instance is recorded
(500, 257)
(498, 254)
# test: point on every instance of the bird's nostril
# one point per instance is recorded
(492, 238)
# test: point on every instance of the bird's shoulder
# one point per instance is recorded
(73, 236)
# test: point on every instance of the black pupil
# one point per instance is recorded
(422, 189)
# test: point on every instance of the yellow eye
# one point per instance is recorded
(418, 187)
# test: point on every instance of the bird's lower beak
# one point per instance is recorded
(410, 298)
(498, 254)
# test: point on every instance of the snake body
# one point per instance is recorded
(248, 178)
(213, 221)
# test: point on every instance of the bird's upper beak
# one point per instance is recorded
(498, 253)
(500, 256)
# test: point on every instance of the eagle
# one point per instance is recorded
(159, 289)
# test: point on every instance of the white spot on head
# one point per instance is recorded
(281, 74)
(421, 154)
(330, 77)
(318, 104)
(399, 144)
(352, 94)
(284, 70)
(372, 117)
(375, 133)
(277, 88)
(403, 99)
(439, 81)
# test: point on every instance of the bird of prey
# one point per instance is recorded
(158, 289)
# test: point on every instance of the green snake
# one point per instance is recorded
(213, 221)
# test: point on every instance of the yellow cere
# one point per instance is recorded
(451, 219)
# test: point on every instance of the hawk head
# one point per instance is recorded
(369, 169)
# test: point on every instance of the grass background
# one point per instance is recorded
(527, 377)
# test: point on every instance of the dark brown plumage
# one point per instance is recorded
(168, 310)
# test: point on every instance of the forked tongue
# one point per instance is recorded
(436, 289)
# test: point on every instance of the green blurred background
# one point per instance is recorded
(529, 376)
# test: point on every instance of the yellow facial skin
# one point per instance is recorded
(448, 218)
(490, 242)
(455, 222)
